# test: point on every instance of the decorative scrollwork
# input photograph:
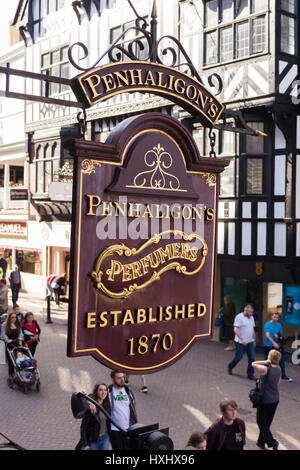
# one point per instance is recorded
(88, 166)
(145, 46)
(157, 178)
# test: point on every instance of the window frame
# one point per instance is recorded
(62, 61)
(294, 16)
(234, 24)
(41, 160)
(245, 156)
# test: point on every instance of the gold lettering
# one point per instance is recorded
(120, 78)
(149, 78)
(127, 273)
(194, 90)
(209, 214)
(151, 319)
(115, 315)
(93, 84)
(179, 311)
(168, 313)
(136, 74)
(201, 310)
(128, 318)
(160, 75)
(115, 269)
(109, 82)
(191, 310)
(92, 204)
(213, 110)
(103, 319)
(136, 269)
(203, 102)
(141, 315)
(180, 90)
(91, 320)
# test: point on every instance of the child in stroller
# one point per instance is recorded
(25, 368)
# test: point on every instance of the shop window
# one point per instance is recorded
(29, 261)
(16, 176)
(47, 166)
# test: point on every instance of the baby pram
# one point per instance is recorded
(25, 374)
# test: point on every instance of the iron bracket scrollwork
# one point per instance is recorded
(156, 53)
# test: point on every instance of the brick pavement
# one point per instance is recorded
(184, 397)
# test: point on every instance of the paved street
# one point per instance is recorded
(184, 397)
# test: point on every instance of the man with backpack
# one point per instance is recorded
(227, 432)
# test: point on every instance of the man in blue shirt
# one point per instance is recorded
(273, 329)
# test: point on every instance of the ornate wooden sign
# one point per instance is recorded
(104, 82)
(143, 245)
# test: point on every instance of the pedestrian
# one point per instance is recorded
(94, 425)
(123, 412)
(227, 432)
(31, 331)
(18, 312)
(15, 283)
(3, 296)
(197, 441)
(245, 340)
(49, 281)
(11, 333)
(270, 375)
(228, 314)
(144, 388)
(3, 267)
(273, 334)
(58, 286)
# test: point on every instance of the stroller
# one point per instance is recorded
(26, 373)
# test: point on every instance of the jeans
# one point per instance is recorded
(281, 363)
(240, 350)
(15, 293)
(264, 418)
(102, 443)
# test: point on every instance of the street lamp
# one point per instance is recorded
(137, 437)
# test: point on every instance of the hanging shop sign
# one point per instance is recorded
(104, 82)
(143, 245)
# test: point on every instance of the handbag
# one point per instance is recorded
(218, 321)
(256, 396)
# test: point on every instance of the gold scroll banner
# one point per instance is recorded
(123, 250)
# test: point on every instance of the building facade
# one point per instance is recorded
(253, 45)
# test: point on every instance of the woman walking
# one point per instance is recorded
(31, 331)
(15, 284)
(93, 430)
(11, 332)
(270, 375)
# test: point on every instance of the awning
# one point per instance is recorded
(50, 208)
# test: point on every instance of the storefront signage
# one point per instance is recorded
(19, 194)
(291, 305)
(143, 245)
(15, 229)
(104, 82)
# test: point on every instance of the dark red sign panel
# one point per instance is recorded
(143, 245)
